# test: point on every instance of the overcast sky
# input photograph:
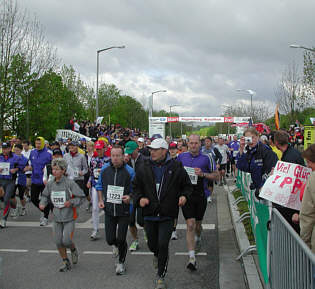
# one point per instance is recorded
(199, 51)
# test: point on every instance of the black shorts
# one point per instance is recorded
(21, 190)
(232, 161)
(222, 167)
(195, 208)
(140, 220)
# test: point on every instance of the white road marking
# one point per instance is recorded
(142, 253)
(14, 250)
(186, 254)
(88, 225)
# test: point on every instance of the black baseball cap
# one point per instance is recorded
(6, 145)
(57, 152)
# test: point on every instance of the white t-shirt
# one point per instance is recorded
(223, 149)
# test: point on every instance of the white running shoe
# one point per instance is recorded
(14, 213)
(23, 211)
(3, 223)
(120, 269)
(209, 200)
(174, 236)
(192, 264)
(94, 235)
(43, 222)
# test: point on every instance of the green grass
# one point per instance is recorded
(242, 208)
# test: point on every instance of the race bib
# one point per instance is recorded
(235, 153)
(192, 175)
(5, 169)
(76, 173)
(58, 199)
(96, 173)
(114, 194)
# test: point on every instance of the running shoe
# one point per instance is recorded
(120, 269)
(155, 262)
(209, 200)
(23, 211)
(94, 235)
(74, 256)
(14, 213)
(192, 264)
(160, 284)
(43, 222)
(88, 208)
(174, 236)
(134, 246)
(66, 266)
(3, 223)
(115, 251)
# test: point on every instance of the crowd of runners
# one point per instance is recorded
(137, 181)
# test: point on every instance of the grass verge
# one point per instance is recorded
(242, 208)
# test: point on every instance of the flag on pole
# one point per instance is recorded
(277, 117)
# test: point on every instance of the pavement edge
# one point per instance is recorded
(251, 271)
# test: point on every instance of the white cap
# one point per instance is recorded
(140, 139)
(158, 143)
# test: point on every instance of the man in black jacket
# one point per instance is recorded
(161, 186)
(289, 155)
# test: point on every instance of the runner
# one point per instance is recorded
(200, 169)
(96, 164)
(234, 147)
(65, 195)
(224, 151)
(8, 169)
(77, 165)
(20, 181)
(161, 185)
(39, 158)
(114, 188)
(135, 160)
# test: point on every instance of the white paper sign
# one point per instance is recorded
(5, 169)
(58, 199)
(192, 175)
(114, 194)
(286, 184)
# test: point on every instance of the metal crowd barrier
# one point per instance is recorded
(291, 262)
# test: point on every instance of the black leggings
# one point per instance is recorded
(159, 235)
(117, 236)
(36, 190)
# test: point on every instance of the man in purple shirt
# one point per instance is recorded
(200, 169)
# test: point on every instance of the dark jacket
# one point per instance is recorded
(175, 183)
(141, 158)
(121, 177)
(257, 161)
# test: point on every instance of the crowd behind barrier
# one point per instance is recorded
(285, 261)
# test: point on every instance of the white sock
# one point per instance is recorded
(191, 254)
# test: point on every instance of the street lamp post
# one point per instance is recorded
(302, 47)
(170, 116)
(251, 92)
(97, 71)
(151, 101)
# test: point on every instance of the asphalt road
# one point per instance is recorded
(30, 259)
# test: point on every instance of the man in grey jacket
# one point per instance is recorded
(77, 164)
(65, 195)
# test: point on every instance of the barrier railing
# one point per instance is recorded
(291, 261)
(259, 217)
(285, 261)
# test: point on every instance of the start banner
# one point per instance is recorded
(286, 185)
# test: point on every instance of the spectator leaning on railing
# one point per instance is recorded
(307, 213)
(289, 155)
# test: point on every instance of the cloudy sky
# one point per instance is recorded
(199, 51)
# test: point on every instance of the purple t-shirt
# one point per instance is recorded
(202, 161)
